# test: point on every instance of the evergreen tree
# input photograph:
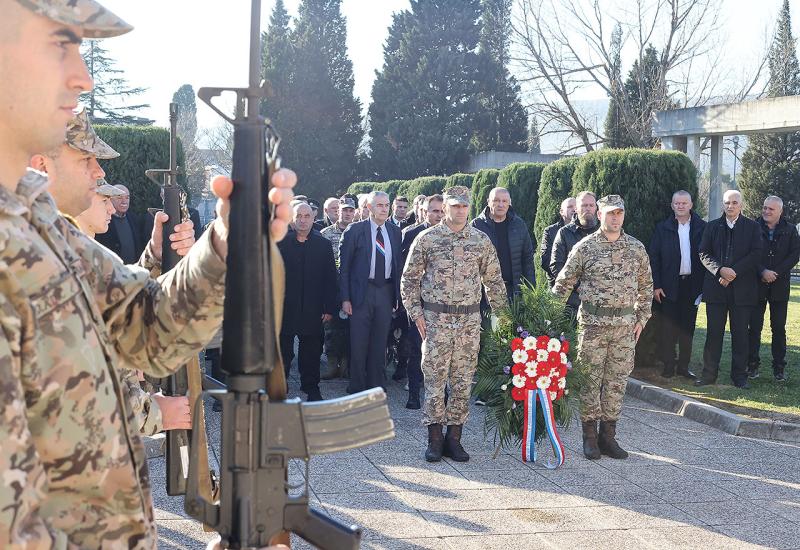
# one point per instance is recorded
(187, 133)
(615, 134)
(425, 98)
(644, 95)
(503, 120)
(771, 164)
(326, 128)
(278, 68)
(534, 144)
(111, 100)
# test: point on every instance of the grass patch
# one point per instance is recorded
(767, 398)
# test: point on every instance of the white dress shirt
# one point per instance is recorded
(686, 248)
(731, 223)
(387, 246)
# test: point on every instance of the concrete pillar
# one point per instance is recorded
(694, 150)
(674, 143)
(715, 190)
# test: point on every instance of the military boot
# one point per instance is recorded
(435, 443)
(452, 444)
(590, 448)
(413, 399)
(607, 442)
(332, 369)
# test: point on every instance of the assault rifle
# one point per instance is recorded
(262, 429)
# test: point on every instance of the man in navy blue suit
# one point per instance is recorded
(369, 280)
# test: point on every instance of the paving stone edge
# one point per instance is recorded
(715, 417)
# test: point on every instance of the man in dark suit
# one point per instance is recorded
(126, 234)
(549, 236)
(780, 254)
(730, 251)
(678, 277)
(310, 297)
(369, 284)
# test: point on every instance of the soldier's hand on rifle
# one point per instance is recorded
(280, 195)
(175, 411)
(182, 239)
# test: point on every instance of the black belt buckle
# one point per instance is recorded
(684, 277)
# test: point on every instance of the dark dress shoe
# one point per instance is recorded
(314, 395)
(743, 385)
(687, 374)
(700, 382)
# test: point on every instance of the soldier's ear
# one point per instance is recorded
(39, 163)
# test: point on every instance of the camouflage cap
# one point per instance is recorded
(95, 20)
(456, 195)
(81, 136)
(610, 202)
(347, 202)
(107, 190)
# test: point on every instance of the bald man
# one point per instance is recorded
(125, 234)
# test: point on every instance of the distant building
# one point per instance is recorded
(501, 159)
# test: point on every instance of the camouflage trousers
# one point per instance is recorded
(608, 353)
(449, 358)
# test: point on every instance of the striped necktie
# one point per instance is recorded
(380, 259)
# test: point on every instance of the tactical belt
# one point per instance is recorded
(456, 310)
(606, 311)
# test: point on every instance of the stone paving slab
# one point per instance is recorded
(685, 485)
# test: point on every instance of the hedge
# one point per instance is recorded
(426, 185)
(140, 148)
(361, 187)
(484, 181)
(555, 186)
(392, 187)
(645, 178)
(460, 179)
(522, 180)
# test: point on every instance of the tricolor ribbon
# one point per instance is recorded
(529, 428)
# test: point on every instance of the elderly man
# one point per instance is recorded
(616, 294)
(126, 234)
(780, 254)
(731, 253)
(584, 223)
(677, 281)
(369, 285)
(74, 467)
(510, 238)
(549, 235)
(310, 298)
(331, 213)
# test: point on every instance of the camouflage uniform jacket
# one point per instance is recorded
(334, 235)
(447, 267)
(73, 466)
(611, 275)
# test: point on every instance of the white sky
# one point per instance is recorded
(181, 41)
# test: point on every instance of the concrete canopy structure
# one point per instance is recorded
(676, 128)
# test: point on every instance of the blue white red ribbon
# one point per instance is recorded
(529, 428)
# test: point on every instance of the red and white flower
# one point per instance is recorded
(554, 344)
(519, 381)
(520, 356)
(529, 342)
(543, 382)
(530, 369)
(541, 355)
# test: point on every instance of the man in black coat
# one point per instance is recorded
(511, 239)
(731, 252)
(127, 233)
(584, 223)
(678, 277)
(549, 235)
(780, 254)
(310, 297)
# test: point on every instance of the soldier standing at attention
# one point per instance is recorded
(441, 290)
(616, 290)
(73, 466)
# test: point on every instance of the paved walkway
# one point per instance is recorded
(685, 486)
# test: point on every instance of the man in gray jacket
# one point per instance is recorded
(511, 239)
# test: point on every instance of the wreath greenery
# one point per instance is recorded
(537, 312)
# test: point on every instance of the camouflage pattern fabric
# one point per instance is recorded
(82, 137)
(447, 267)
(95, 20)
(73, 465)
(149, 420)
(449, 358)
(609, 352)
(334, 235)
(611, 275)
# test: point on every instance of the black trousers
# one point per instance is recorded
(369, 326)
(308, 353)
(414, 364)
(678, 322)
(717, 315)
(777, 324)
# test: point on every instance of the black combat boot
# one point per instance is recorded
(607, 442)
(590, 448)
(413, 399)
(435, 443)
(452, 444)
